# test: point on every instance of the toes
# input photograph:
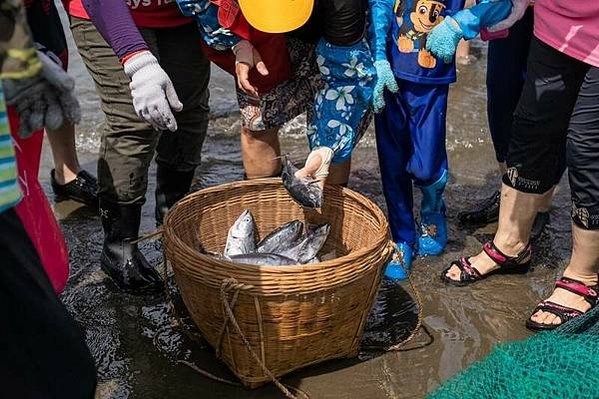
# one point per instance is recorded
(453, 273)
(547, 318)
(536, 317)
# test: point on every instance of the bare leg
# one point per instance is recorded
(516, 216)
(463, 53)
(260, 152)
(66, 163)
(339, 173)
(584, 265)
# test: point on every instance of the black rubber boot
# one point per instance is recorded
(486, 212)
(121, 260)
(171, 186)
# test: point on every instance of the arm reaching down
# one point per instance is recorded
(154, 96)
(381, 15)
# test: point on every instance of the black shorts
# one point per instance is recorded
(43, 350)
(557, 121)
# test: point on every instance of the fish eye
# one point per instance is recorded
(435, 13)
(422, 9)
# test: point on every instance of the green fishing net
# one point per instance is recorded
(563, 364)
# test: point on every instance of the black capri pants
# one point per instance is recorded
(557, 119)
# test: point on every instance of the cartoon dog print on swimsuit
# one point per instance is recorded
(415, 23)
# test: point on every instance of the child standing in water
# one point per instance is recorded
(410, 128)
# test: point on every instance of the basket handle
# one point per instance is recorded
(155, 234)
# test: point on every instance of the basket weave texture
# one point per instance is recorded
(291, 316)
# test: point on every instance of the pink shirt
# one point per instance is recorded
(570, 26)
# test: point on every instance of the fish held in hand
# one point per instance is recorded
(281, 238)
(242, 236)
(306, 192)
(263, 259)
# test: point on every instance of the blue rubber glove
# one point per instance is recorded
(381, 18)
(385, 79)
(443, 39)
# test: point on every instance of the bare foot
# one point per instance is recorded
(565, 298)
(482, 263)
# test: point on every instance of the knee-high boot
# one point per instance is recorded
(121, 260)
(433, 222)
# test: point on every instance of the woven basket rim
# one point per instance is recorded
(373, 245)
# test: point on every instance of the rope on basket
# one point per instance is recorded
(196, 337)
(148, 236)
(399, 347)
(232, 284)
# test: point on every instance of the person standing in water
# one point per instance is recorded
(340, 110)
(277, 77)
(411, 96)
(557, 116)
(506, 73)
(154, 94)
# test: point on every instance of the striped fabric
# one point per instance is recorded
(10, 193)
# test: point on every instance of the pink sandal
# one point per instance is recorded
(565, 313)
(518, 264)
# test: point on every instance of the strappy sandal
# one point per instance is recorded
(564, 313)
(518, 264)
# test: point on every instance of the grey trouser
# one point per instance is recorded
(128, 143)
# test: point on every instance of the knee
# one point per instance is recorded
(253, 137)
(425, 175)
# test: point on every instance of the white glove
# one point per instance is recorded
(46, 100)
(518, 9)
(152, 91)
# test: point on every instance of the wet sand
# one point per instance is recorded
(137, 348)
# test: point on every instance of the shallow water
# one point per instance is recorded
(137, 348)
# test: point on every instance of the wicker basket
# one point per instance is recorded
(289, 316)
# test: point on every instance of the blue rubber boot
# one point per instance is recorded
(433, 223)
(401, 263)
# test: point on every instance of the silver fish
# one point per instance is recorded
(305, 192)
(281, 238)
(263, 259)
(309, 247)
(316, 239)
(242, 236)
